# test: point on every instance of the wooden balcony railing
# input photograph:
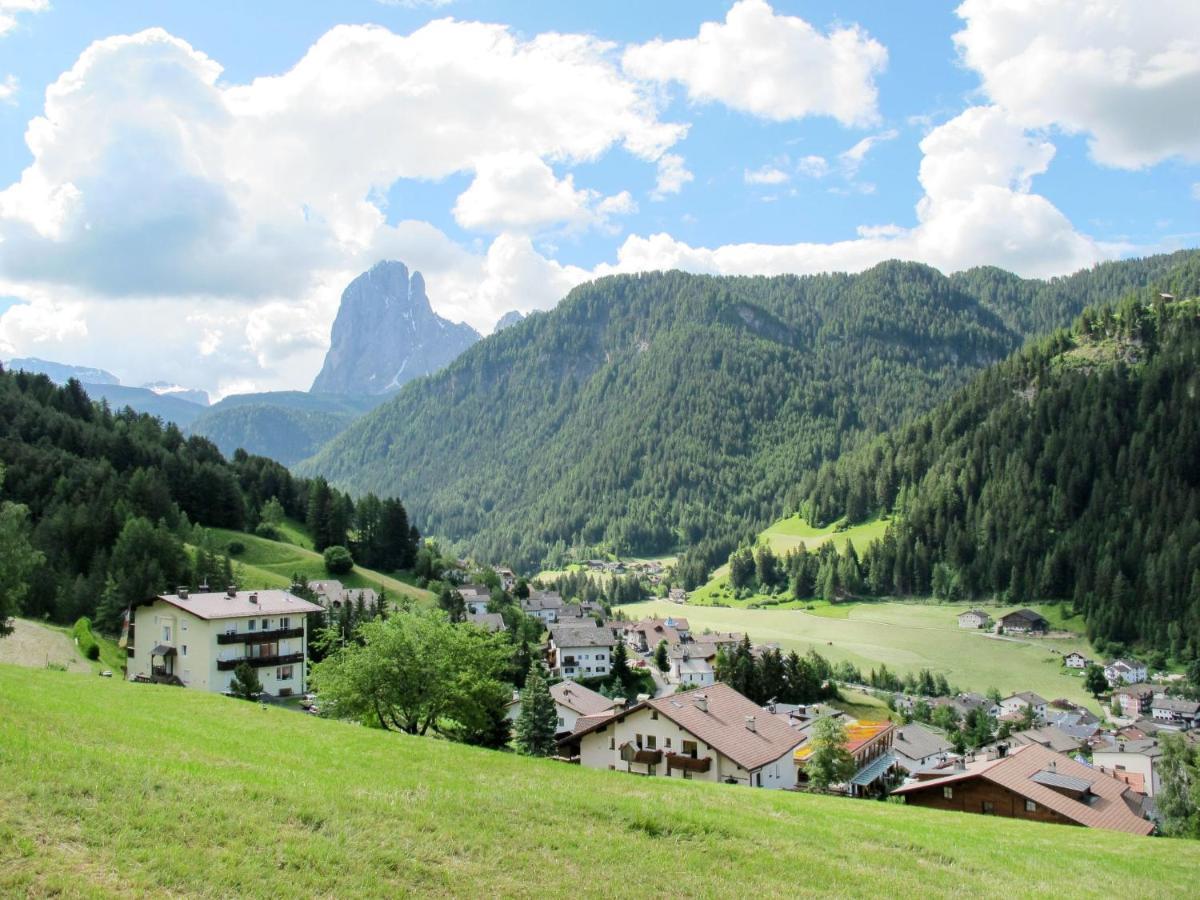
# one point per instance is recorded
(674, 761)
(258, 637)
(260, 662)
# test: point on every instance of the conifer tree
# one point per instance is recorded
(538, 720)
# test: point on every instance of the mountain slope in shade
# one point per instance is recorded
(386, 334)
(167, 389)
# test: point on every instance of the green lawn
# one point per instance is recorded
(907, 636)
(271, 564)
(109, 788)
(788, 534)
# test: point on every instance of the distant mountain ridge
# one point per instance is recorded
(648, 413)
(386, 334)
(60, 373)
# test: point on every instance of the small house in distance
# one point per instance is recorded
(1025, 621)
(1125, 671)
(974, 618)
(572, 702)
(1076, 660)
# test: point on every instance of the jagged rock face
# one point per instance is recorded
(386, 334)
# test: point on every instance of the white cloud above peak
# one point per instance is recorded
(10, 9)
(1124, 72)
(772, 66)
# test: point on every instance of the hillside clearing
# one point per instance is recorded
(35, 645)
(113, 788)
(788, 534)
(270, 564)
(906, 637)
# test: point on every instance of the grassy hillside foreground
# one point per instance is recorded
(113, 788)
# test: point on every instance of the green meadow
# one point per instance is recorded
(270, 564)
(115, 789)
(907, 637)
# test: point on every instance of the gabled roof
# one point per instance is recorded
(1027, 614)
(579, 699)
(1048, 736)
(1177, 705)
(581, 636)
(1028, 696)
(975, 612)
(1106, 806)
(915, 741)
(540, 600)
(721, 725)
(241, 604)
(490, 621)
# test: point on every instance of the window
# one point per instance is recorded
(654, 715)
(184, 648)
(988, 807)
(689, 749)
(260, 651)
(283, 623)
(265, 622)
(561, 722)
(600, 657)
(612, 745)
(183, 625)
(948, 792)
(166, 634)
(1030, 806)
(284, 673)
(651, 742)
(637, 739)
(251, 625)
(668, 745)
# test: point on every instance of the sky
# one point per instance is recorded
(186, 188)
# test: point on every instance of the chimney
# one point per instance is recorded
(231, 591)
(253, 598)
(642, 698)
(619, 704)
(702, 702)
(182, 592)
(960, 765)
(750, 724)
(202, 588)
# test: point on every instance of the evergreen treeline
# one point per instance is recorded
(772, 676)
(115, 499)
(664, 410)
(609, 592)
(1070, 471)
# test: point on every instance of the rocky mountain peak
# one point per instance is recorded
(386, 333)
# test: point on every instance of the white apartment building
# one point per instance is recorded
(198, 640)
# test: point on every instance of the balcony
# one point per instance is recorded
(259, 637)
(687, 763)
(260, 662)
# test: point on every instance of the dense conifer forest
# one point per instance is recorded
(655, 412)
(1070, 471)
(117, 503)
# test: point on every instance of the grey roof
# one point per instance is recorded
(1175, 704)
(1027, 614)
(539, 600)
(975, 612)
(490, 621)
(1029, 697)
(582, 700)
(917, 742)
(1048, 736)
(581, 636)
(1053, 779)
(242, 604)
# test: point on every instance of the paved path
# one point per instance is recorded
(35, 645)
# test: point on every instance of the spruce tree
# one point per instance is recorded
(538, 720)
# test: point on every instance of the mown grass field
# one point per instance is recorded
(109, 788)
(788, 534)
(271, 564)
(907, 637)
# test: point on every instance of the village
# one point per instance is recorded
(1018, 755)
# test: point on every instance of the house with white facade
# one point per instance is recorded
(1137, 758)
(1076, 660)
(1175, 712)
(918, 748)
(1019, 702)
(1125, 671)
(476, 598)
(333, 594)
(571, 703)
(708, 734)
(543, 605)
(198, 640)
(580, 651)
(646, 635)
(974, 618)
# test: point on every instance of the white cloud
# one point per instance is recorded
(8, 89)
(853, 158)
(518, 191)
(813, 166)
(10, 9)
(977, 209)
(768, 174)
(672, 176)
(773, 66)
(1124, 72)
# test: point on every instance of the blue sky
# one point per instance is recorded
(214, 219)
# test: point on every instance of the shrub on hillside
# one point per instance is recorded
(235, 548)
(82, 633)
(338, 560)
(267, 530)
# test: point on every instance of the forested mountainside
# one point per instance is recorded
(114, 498)
(1070, 471)
(287, 426)
(649, 412)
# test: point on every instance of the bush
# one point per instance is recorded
(267, 530)
(338, 560)
(82, 633)
(235, 548)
